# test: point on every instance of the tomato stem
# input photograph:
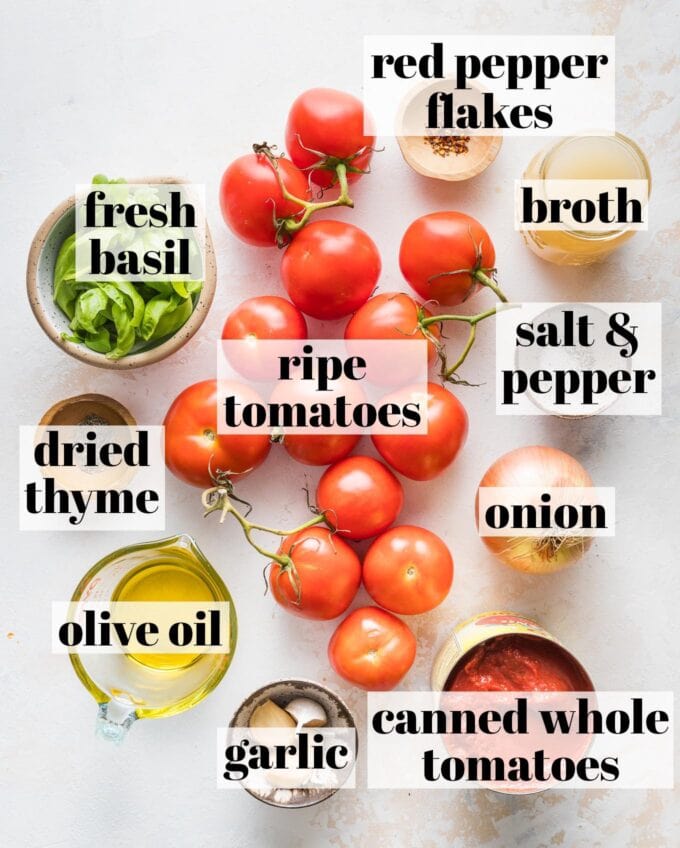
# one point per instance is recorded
(292, 225)
(219, 498)
(484, 276)
(481, 277)
(287, 227)
(449, 372)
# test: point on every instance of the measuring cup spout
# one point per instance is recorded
(113, 721)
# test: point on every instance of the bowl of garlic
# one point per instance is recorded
(289, 726)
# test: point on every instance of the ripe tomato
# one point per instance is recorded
(310, 446)
(372, 649)
(325, 123)
(330, 269)
(268, 318)
(250, 197)
(439, 243)
(424, 456)
(360, 496)
(408, 570)
(316, 449)
(192, 440)
(392, 315)
(328, 570)
(265, 317)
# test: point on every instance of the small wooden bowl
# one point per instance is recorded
(74, 412)
(419, 154)
(482, 150)
(58, 225)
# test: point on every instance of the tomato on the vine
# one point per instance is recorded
(251, 198)
(441, 254)
(326, 124)
(315, 449)
(359, 496)
(265, 317)
(193, 447)
(372, 648)
(328, 574)
(330, 269)
(311, 447)
(392, 315)
(408, 570)
(424, 456)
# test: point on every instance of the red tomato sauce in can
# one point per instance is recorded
(517, 663)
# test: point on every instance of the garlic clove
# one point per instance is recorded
(288, 778)
(269, 723)
(307, 712)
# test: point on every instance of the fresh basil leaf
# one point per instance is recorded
(102, 179)
(125, 332)
(155, 309)
(99, 341)
(64, 294)
(172, 321)
(90, 312)
(160, 287)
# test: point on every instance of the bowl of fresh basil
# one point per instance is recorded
(111, 323)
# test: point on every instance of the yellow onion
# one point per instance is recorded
(540, 467)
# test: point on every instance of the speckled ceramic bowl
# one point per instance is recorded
(282, 692)
(58, 225)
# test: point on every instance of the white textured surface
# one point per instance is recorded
(182, 88)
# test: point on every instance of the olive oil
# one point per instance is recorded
(132, 686)
(164, 580)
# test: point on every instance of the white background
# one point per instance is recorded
(141, 89)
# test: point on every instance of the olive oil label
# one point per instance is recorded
(578, 359)
(155, 633)
(90, 477)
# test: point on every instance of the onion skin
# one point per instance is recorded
(544, 467)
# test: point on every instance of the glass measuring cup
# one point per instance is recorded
(128, 687)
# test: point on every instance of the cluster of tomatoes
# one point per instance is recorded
(330, 269)
(407, 570)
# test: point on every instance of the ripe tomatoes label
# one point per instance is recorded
(310, 387)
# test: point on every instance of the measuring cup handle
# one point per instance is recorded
(114, 721)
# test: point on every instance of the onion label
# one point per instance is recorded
(578, 359)
(546, 512)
